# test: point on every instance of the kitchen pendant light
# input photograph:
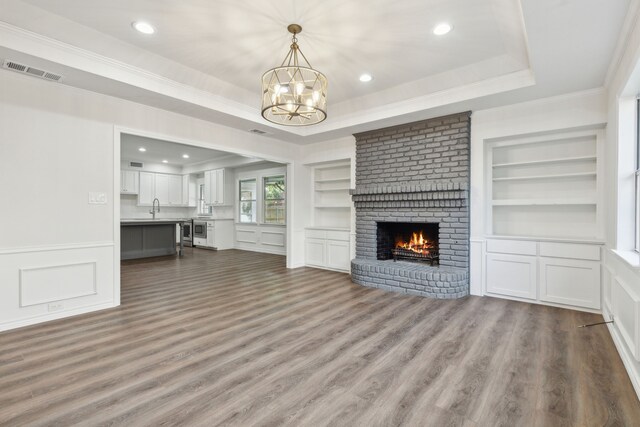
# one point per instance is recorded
(294, 94)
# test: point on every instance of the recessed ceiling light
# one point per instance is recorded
(142, 149)
(442, 29)
(185, 156)
(143, 27)
(165, 161)
(366, 78)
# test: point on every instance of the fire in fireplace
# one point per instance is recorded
(412, 241)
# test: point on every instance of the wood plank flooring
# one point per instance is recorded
(233, 338)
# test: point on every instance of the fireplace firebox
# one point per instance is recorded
(410, 241)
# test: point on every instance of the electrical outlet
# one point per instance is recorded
(97, 198)
(55, 306)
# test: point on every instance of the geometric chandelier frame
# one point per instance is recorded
(294, 94)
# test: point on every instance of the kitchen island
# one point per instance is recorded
(144, 238)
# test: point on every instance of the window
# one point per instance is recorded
(274, 200)
(203, 209)
(248, 192)
(637, 177)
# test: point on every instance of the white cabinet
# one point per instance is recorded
(512, 275)
(315, 252)
(175, 190)
(214, 187)
(338, 255)
(553, 272)
(162, 189)
(219, 235)
(570, 281)
(169, 189)
(211, 234)
(328, 248)
(128, 182)
(147, 190)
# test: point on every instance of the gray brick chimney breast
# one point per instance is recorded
(417, 172)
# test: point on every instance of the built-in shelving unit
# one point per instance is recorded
(331, 198)
(544, 186)
(544, 232)
(328, 239)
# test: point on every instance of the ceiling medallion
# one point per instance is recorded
(294, 94)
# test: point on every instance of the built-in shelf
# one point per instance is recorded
(326, 190)
(548, 161)
(331, 198)
(543, 202)
(333, 180)
(541, 177)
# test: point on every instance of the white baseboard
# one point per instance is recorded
(55, 316)
(262, 249)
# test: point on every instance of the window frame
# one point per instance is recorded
(203, 208)
(254, 202)
(265, 199)
(637, 179)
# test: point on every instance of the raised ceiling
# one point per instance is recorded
(207, 56)
(158, 150)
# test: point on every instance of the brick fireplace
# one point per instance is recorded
(412, 208)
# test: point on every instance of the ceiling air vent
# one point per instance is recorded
(257, 131)
(136, 165)
(25, 69)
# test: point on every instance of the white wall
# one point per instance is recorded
(621, 273)
(259, 237)
(57, 144)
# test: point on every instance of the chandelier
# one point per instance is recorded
(294, 94)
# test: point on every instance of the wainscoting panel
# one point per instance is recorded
(273, 238)
(40, 284)
(246, 236)
(626, 309)
(261, 238)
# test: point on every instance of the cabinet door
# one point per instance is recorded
(185, 190)
(219, 199)
(315, 252)
(512, 275)
(147, 189)
(207, 187)
(162, 188)
(211, 234)
(175, 190)
(338, 255)
(570, 281)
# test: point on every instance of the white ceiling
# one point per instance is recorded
(159, 150)
(207, 56)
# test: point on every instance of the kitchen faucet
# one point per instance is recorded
(153, 209)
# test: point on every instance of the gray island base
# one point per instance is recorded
(149, 238)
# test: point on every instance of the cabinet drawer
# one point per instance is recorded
(315, 234)
(570, 250)
(516, 247)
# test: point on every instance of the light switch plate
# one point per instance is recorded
(97, 198)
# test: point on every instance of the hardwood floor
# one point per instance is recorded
(234, 338)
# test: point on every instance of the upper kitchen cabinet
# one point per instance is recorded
(169, 189)
(147, 191)
(214, 187)
(128, 182)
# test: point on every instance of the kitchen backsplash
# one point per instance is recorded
(129, 209)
